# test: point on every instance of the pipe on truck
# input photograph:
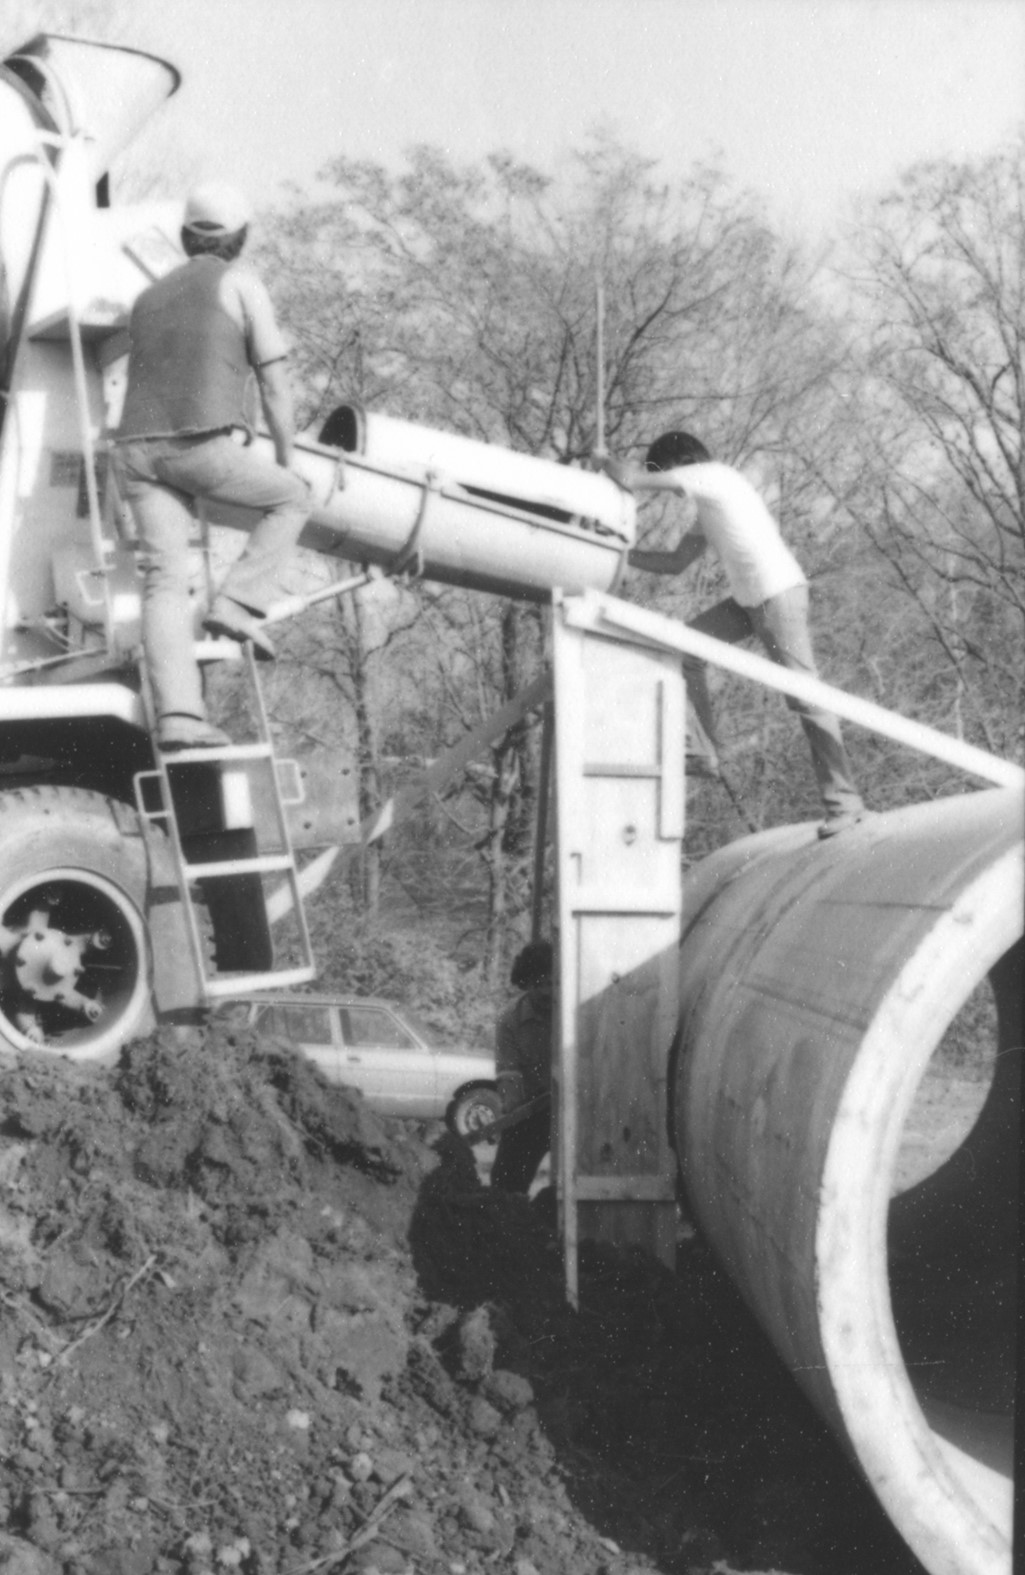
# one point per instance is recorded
(817, 980)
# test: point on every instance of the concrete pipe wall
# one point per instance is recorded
(817, 980)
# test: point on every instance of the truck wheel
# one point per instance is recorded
(473, 1108)
(74, 953)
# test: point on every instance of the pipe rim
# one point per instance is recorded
(929, 1501)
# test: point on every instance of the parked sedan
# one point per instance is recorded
(386, 1052)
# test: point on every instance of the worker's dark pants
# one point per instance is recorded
(781, 624)
(520, 1151)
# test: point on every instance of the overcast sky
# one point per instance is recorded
(808, 100)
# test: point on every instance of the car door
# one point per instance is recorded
(313, 1031)
(385, 1059)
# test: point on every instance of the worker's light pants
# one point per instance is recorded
(781, 624)
(161, 478)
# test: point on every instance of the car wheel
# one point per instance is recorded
(474, 1108)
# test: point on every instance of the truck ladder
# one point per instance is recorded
(224, 781)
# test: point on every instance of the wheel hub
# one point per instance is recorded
(70, 958)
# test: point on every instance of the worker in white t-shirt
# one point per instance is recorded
(769, 594)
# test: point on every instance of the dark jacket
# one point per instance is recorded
(523, 1042)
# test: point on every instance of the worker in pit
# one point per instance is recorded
(769, 595)
(523, 1061)
(198, 337)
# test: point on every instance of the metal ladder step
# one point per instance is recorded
(228, 985)
(222, 986)
(260, 863)
(190, 757)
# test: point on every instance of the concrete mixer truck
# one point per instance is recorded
(785, 1001)
(130, 887)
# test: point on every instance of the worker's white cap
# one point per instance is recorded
(216, 208)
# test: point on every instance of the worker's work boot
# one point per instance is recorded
(842, 821)
(178, 731)
(231, 620)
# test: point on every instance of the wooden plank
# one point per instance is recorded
(626, 1019)
(672, 755)
(651, 772)
(630, 1189)
(441, 772)
(650, 1226)
(405, 801)
(606, 613)
(568, 676)
(544, 795)
(613, 899)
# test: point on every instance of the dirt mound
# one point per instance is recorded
(248, 1326)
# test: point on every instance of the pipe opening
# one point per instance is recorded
(952, 1225)
(952, 1093)
(815, 991)
(344, 429)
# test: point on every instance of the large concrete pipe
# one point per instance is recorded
(817, 981)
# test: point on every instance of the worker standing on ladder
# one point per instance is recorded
(523, 1062)
(197, 337)
(769, 595)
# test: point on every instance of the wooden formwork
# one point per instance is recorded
(619, 752)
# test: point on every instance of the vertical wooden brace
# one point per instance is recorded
(620, 747)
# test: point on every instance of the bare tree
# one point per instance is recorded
(464, 297)
(330, 693)
(935, 466)
(162, 161)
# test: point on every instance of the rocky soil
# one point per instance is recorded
(248, 1326)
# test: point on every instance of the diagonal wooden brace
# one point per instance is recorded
(404, 802)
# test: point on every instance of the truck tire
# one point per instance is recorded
(75, 962)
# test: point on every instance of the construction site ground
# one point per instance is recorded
(247, 1325)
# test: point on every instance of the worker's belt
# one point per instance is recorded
(240, 435)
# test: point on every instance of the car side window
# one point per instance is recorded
(302, 1024)
(364, 1027)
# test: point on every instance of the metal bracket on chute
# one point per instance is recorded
(409, 560)
(291, 606)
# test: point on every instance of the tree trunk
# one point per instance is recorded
(365, 877)
(509, 841)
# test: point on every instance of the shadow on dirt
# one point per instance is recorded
(248, 1325)
(673, 1425)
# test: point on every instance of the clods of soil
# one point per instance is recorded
(247, 1325)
